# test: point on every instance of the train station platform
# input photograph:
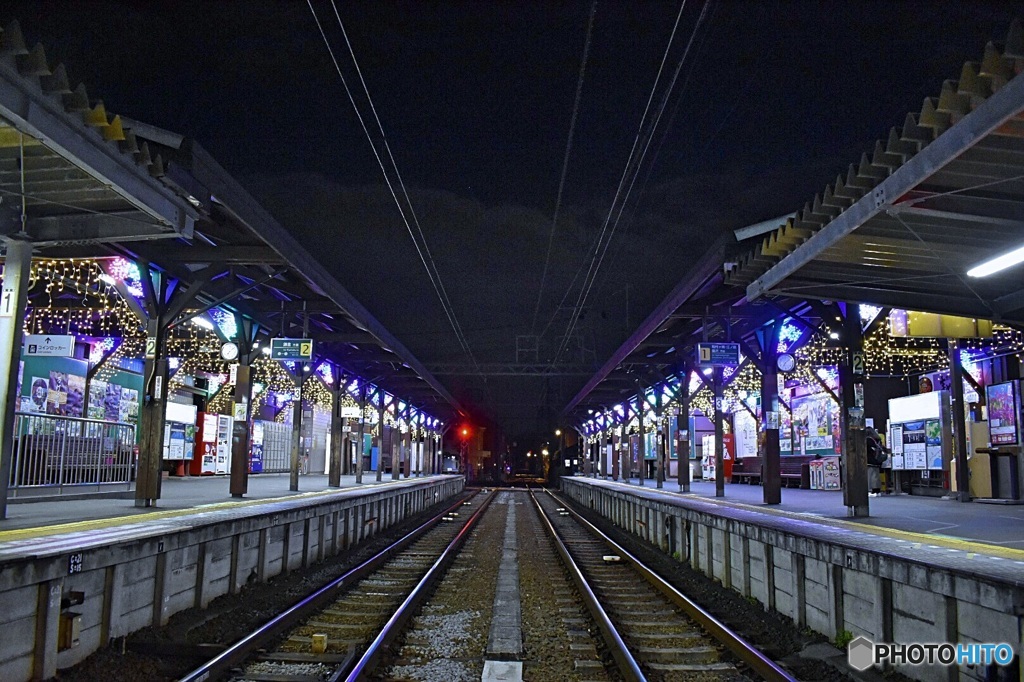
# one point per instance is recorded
(919, 570)
(75, 574)
(930, 518)
(178, 496)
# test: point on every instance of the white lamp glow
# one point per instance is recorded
(997, 264)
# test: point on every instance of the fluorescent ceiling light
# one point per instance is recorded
(106, 279)
(994, 265)
(202, 322)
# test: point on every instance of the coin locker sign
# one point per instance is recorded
(50, 345)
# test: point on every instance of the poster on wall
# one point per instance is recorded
(1002, 414)
(112, 403)
(57, 395)
(128, 408)
(40, 391)
(97, 394)
(76, 396)
(815, 425)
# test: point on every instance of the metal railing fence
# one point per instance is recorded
(52, 451)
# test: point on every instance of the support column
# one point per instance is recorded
(339, 439)
(956, 375)
(362, 432)
(617, 468)
(659, 440)
(293, 481)
(851, 377)
(13, 299)
(241, 406)
(153, 413)
(683, 427)
(641, 446)
(380, 437)
(771, 474)
(719, 433)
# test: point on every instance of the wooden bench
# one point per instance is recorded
(791, 469)
(749, 469)
(746, 470)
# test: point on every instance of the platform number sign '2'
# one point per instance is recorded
(857, 362)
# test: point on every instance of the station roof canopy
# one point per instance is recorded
(79, 183)
(941, 195)
(701, 307)
(69, 172)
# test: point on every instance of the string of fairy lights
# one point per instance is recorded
(885, 355)
(83, 297)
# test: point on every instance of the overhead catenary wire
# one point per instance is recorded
(565, 162)
(633, 167)
(427, 262)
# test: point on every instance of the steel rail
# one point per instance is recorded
(244, 648)
(628, 665)
(740, 647)
(375, 651)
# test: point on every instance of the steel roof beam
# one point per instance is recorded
(1005, 103)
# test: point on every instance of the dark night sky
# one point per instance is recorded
(775, 99)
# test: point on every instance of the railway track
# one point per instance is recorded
(382, 619)
(650, 629)
(339, 631)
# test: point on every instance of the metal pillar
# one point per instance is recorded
(13, 299)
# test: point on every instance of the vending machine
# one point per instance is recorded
(205, 461)
(225, 427)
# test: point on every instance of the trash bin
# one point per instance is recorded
(805, 476)
(1004, 475)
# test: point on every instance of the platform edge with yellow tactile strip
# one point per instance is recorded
(975, 547)
(132, 519)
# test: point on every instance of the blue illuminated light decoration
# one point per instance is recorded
(174, 363)
(225, 322)
(124, 270)
(100, 348)
(621, 410)
(969, 365)
(789, 334)
(290, 365)
(326, 373)
(830, 375)
(652, 399)
(695, 383)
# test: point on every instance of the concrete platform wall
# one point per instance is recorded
(825, 586)
(132, 583)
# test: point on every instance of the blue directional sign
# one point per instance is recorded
(718, 354)
(291, 349)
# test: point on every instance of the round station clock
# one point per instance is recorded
(229, 351)
(785, 362)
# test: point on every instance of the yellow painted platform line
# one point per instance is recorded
(986, 549)
(98, 524)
